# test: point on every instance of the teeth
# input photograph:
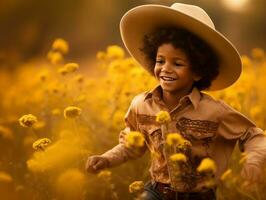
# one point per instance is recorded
(167, 78)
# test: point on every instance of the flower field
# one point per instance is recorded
(54, 114)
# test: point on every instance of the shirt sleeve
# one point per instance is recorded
(120, 153)
(234, 125)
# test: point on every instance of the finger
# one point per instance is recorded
(99, 165)
(90, 169)
(93, 160)
(89, 165)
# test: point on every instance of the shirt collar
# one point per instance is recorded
(194, 96)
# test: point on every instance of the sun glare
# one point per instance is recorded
(235, 5)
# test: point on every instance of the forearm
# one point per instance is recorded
(255, 149)
(120, 154)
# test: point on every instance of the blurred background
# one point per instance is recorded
(28, 27)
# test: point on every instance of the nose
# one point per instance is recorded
(167, 67)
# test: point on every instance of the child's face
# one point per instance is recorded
(173, 69)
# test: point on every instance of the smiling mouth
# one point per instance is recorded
(167, 78)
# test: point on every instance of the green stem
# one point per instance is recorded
(164, 128)
(34, 132)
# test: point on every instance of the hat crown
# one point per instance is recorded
(194, 12)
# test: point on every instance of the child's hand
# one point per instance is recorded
(96, 163)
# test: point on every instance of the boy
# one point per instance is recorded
(181, 48)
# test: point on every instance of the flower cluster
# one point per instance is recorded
(72, 112)
(163, 117)
(175, 139)
(41, 144)
(207, 165)
(55, 57)
(136, 186)
(134, 139)
(71, 67)
(115, 52)
(27, 120)
(105, 175)
(48, 93)
(60, 45)
(178, 157)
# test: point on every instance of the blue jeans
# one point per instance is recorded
(151, 193)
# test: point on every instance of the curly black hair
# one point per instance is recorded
(204, 61)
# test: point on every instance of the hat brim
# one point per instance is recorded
(144, 19)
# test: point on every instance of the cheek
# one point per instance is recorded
(156, 72)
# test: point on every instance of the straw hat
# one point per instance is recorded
(146, 18)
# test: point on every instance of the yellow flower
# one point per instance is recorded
(173, 139)
(79, 78)
(5, 177)
(226, 174)
(178, 157)
(101, 55)
(60, 45)
(163, 117)
(54, 89)
(246, 62)
(210, 183)
(105, 175)
(71, 67)
(134, 139)
(115, 52)
(55, 57)
(115, 67)
(184, 143)
(60, 154)
(27, 120)
(41, 144)
(136, 186)
(132, 64)
(72, 112)
(207, 165)
(43, 75)
(62, 70)
(257, 53)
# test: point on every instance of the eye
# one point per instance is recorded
(159, 61)
(178, 64)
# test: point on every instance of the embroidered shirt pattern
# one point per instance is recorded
(212, 126)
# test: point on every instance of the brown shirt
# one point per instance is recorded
(212, 127)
